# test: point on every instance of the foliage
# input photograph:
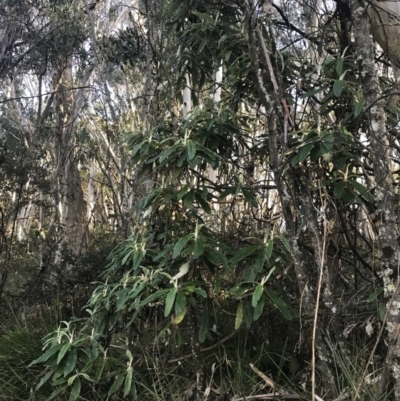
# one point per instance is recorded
(253, 215)
(21, 342)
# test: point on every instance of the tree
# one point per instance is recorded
(264, 152)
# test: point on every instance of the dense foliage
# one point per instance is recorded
(199, 201)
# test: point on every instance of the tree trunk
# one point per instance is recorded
(385, 198)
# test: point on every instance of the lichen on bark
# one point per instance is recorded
(380, 143)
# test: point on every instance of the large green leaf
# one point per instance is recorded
(181, 244)
(339, 65)
(363, 191)
(243, 253)
(259, 260)
(248, 195)
(170, 151)
(358, 108)
(128, 381)
(45, 378)
(204, 324)
(199, 247)
(203, 204)
(269, 248)
(338, 189)
(71, 362)
(188, 199)
(311, 93)
(180, 303)
(239, 315)
(76, 390)
(284, 241)
(191, 149)
(49, 353)
(216, 257)
(257, 295)
(280, 304)
(116, 385)
(305, 151)
(258, 309)
(338, 87)
(169, 302)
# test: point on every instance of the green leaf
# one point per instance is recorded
(216, 257)
(199, 247)
(217, 286)
(280, 304)
(202, 45)
(327, 142)
(180, 245)
(183, 191)
(311, 93)
(204, 324)
(169, 152)
(249, 275)
(152, 297)
(128, 381)
(304, 152)
(382, 311)
(239, 315)
(201, 292)
(258, 309)
(57, 391)
(122, 298)
(238, 188)
(243, 253)
(99, 371)
(348, 195)
(71, 362)
(338, 87)
(338, 189)
(137, 259)
(203, 204)
(375, 294)
(127, 256)
(204, 17)
(134, 392)
(257, 295)
(129, 355)
(63, 351)
(284, 241)
(191, 149)
(169, 302)
(188, 199)
(269, 248)
(362, 190)
(259, 260)
(116, 385)
(45, 378)
(249, 198)
(359, 107)
(227, 192)
(339, 65)
(180, 303)
(248, 312)
(49, 353)
(76, 390)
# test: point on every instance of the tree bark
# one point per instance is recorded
(385, 197)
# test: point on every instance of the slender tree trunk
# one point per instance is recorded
(379, 137)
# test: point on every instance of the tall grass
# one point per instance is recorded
(20, 343)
